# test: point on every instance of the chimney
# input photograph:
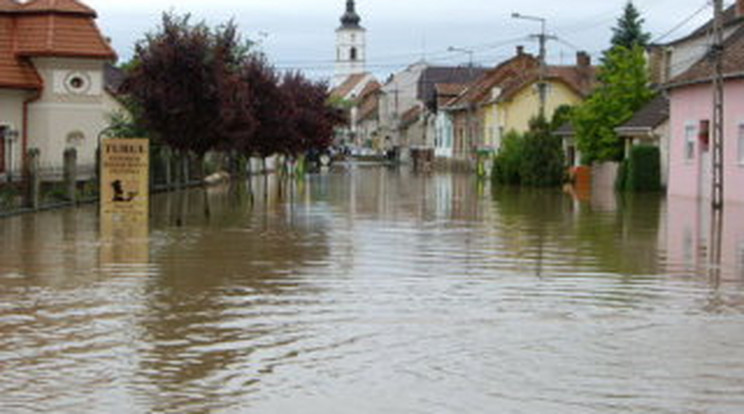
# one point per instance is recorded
(520, 49)
(583, 59)
(739, 8)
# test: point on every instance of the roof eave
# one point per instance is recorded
(702, 81)
(20, 86)
(50, 53)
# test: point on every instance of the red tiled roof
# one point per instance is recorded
(479, 91)
(8, 5)
(410, 117)
(449, 89)
(369, 101)
(343, 90)
(703, 70)
(60, 35)
(58, 6)
(59, 28)
(445, 92)
(14, 72)
(369, 88)
(580, 80)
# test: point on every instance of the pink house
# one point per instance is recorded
(691, 109)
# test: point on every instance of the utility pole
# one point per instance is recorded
(716, 233)
(543, 38)
(471, 107)
(717, 56)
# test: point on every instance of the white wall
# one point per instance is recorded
(346, 39)
(61, 114)
(399, 95)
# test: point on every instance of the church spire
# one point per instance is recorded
(350, 19)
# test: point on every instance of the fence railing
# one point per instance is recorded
(41, 187)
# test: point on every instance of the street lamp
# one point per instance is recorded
(543, 38)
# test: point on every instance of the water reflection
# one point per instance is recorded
(372, 290)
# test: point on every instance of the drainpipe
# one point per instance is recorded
(24, 142)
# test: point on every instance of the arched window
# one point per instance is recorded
(75, 139)
(353, 54)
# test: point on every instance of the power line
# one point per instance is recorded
(682, 23)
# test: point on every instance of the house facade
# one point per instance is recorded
(367, 118)
(52, 90)
(691, 114)
(346, 96)
(506, 98)
(444, 132)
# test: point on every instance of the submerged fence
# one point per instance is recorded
(40, 187)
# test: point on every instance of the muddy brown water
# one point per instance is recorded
(369, 290)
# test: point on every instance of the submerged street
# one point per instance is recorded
(374, 290)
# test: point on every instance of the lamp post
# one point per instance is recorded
(543, 39)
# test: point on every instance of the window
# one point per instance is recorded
(353, 54)
(741, 144)
(75, 138)
(690, 138)
(77, 83)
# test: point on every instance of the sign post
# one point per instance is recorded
(125, 179)
(125, 200)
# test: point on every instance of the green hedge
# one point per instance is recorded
(644, 169)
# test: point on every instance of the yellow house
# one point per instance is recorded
(469, 111)
(515, 101)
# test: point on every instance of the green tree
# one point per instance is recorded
(629, 32)
(623, 90)
(561, 115)
(542, 161)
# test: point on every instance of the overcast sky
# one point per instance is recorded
(300, 33)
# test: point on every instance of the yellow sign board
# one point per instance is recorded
(125, 201)
(125, 179)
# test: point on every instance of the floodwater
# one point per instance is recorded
(368, 290)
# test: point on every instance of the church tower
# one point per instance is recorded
(351, 52)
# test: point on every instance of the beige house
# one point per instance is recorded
(53, 94)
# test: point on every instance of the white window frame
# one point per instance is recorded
(691, 148)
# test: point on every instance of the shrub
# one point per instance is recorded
(507, 163)
(644, 169)
(542, 162)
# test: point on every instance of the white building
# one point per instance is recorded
(52, 89)
(351, 51)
